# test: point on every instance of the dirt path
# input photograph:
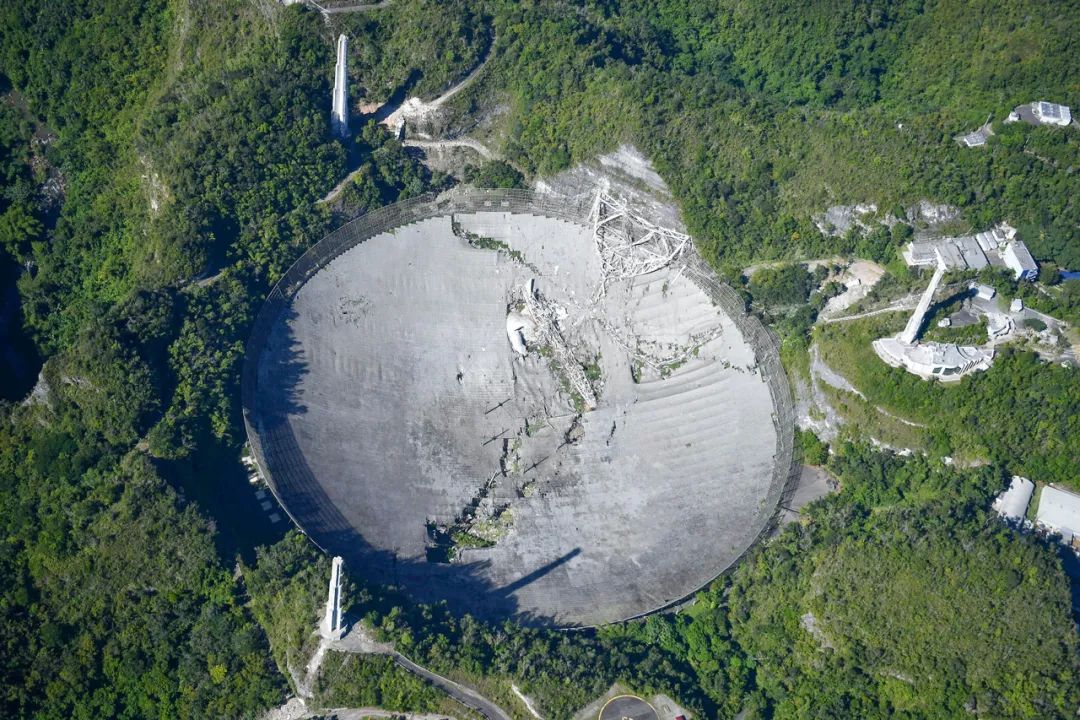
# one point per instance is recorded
(826, 374)
(358, 642)
(526, 700)
(328, 9)
(475, 145)
(820, 372)
(906, 303)
(749, 270)
(414, 109)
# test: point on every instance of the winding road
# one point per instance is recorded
(357, 641)
(466, 696)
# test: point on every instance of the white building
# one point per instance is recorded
(1018, 259)
(966, 252)
(973, 139)
(1051, 113)
(1059, 512)
(1041, 112)
(931, 360)
(1013, 503)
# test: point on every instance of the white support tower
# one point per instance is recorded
(339, 116)
(628, 244)
(911, 330)
(333, 626)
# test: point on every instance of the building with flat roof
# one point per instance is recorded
(1041, 112)
(932, 360)
(966, 252)
(997, 246)
(973, 139)
(1049, 113)
(1018, 259)
(1012, 504)
(1059, 513)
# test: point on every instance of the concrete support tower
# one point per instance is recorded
(333, 626)
(911, 331)
(339, 116)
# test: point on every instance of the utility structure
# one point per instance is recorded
(333, 626)
(339, 115)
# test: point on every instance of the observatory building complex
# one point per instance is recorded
(931, 360)
(531, 407)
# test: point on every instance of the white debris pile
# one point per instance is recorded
(545, 316)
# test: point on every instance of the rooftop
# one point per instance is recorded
(1059, 511)
(1012, 504)
(1023, 256)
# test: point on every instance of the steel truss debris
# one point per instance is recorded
(628, 244)
(546, 316)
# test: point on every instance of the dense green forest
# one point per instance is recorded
(759, 114)
(1021, 412)
(161, 163)
(900, 597)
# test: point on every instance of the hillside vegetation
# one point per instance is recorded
(759, 114)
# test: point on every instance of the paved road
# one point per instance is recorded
(628, 707)
(466, 696)
(359, 642)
